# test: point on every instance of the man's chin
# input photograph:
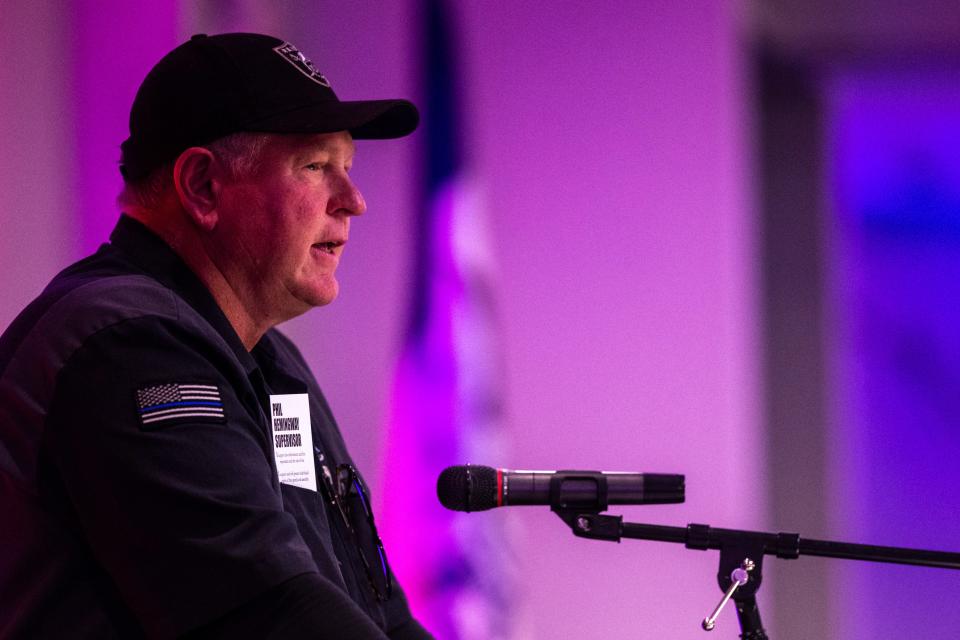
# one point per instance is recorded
(302, 295)
(322, 294)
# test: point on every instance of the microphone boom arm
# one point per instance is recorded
(738, 548)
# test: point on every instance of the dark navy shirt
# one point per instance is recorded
(117, 526)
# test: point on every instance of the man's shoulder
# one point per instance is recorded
(81, 303)
(108, 298)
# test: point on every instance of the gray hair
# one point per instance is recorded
(239, 152)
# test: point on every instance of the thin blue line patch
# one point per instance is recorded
(179, 402)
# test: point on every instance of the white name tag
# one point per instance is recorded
(293, 440)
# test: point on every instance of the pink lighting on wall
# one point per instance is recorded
(113, 44)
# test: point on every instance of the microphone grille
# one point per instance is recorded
(468, 488)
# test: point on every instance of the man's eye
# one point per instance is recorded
(315, 166)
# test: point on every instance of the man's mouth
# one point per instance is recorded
(328, 247)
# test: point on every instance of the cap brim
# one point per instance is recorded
(364, 119)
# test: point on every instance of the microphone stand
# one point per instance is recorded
(741, 552)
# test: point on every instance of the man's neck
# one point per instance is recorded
(248, 328)
(188, 246)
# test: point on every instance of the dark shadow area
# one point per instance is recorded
(792, 202)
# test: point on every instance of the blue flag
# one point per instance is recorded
(447, 406)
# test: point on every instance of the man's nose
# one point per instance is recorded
(347, 200)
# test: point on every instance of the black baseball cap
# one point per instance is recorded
(212, 86)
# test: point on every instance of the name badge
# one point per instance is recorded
(293, 440)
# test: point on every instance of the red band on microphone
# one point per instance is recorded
(499, 487)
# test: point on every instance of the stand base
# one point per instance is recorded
(749, 616)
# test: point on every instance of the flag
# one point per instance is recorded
(178, 402)
(447, 403)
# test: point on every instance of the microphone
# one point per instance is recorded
(478, 488)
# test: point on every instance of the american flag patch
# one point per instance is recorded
(173, 402)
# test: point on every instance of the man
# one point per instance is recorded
(168, 464)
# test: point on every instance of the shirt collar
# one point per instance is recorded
(150, 253)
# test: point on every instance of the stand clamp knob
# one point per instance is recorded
(738, 577)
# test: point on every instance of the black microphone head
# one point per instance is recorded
(468, 488)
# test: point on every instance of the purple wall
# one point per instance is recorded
(114, 44)
(613, 148)
(36, 159)
(896, 393)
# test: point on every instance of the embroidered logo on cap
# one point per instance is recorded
(164, 403)
(293, 55)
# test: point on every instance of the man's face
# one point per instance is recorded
(281, 230)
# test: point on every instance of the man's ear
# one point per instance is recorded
(197, 179)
